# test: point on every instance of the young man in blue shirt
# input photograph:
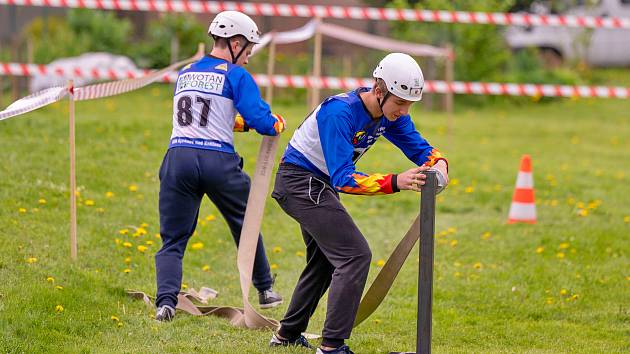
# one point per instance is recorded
(318, 164)
(201, 160)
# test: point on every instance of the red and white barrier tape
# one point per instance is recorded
(34, 101)
(336, 83)
(350, 12)
(51, 95)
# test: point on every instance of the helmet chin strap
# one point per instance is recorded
(235, 58)
(382, 102)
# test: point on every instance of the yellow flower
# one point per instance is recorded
(560, 255)
(626, 219)
(563, 292)
(210, 217)
(299, 254)
(123, 231)
(454, 243)
(42, 201)
(458, 274)
(144, 225)
(157, 236)
(574, 297)
(580, 205)
(197, 245)
(454, 182)
(117, 241)
(127, 260)
(77, 193)
(109, 194)
(89, 202)
(564, 245)
(469, 189)
(451, 230)
(127, 244)
(149, 242)
(478, 265)
(22, 210)
(126, 270)
(100, 210)
(35, 210)
(58, 287)
(50, 279)
(119, 324)
(58, 309)
(184, 286)
(114, 318)
(549, 301)
(142, 248)
(141, 231)
(205, 268)
(554, 202)
(377, 321)
(380, 263)
(486, 235)
(582, 212)
(277, 249)
(274, 266)
(457, 264)
(133, 188)
(31, 260)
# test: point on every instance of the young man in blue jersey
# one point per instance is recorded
(201, 160)
(318, 164)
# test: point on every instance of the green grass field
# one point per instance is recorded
(562, 285)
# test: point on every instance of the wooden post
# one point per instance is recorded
(174, 49)
(270, 69)
(449, 97)
(73, 179)
(317, 68)
(428, 101)
(14, 80)
(29, 59)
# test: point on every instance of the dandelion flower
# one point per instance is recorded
(123, 231)
(451, 230)
(454, 243)
(197, 246)
(274, 266)
(549, 301)
(478, 265)
(583, 212)
(626, 219)
(58, 287)
(100, 210)
(133, 188)
(299, 254)
(540, 249)
(109, 194)
(127, 244)
(210, 217)
(206, 268)
(126, 270)
(564, 245)
(380, 263)
(50, 279)
(119, 324)
(574, 297)
(117, 241)
(560, 255)
(127, 260)
(454, 182)
(277, 249)
(59, 309)
(184, 286)
(114, 318)
(148, 242)
(142, 248)
(42, 201)
(144, 225)
(22, 210)
(31, 260)
(563, 292)
(469, 189)
(486, 235)
(377, 321)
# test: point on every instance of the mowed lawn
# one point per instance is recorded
(562, 285)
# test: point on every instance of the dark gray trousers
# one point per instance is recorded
(337, 254)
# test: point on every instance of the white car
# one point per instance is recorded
(599, 47)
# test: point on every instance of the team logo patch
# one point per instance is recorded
(221, 67)
(358, 137)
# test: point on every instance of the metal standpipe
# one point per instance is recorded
(425, 272)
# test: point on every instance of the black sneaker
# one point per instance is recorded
(300, 342)
(344, 349)
(164, 313)
(269, 298)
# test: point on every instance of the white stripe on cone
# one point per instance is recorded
(525, 180)
(523, 211)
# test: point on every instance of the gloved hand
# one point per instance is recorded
(239, 124)
(280, 125)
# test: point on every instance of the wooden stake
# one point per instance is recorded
(270, 69)
(73, 179)
(317, 69)
(449, 98)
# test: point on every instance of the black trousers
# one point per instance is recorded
(186, 175)
(338, 256)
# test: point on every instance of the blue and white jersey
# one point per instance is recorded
(340, 130)
(208, 95)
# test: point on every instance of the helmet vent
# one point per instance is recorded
(221, 26)
(404, 87)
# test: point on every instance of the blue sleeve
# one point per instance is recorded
(248, 102)
(335, 125)
(404, 135)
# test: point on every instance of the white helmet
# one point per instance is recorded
(228, 24)
(402, 75)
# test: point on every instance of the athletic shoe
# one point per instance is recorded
(269, 298)
(344, 349)
(164, 313)
(300, 342)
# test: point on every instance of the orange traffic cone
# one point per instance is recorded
(523, 208)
